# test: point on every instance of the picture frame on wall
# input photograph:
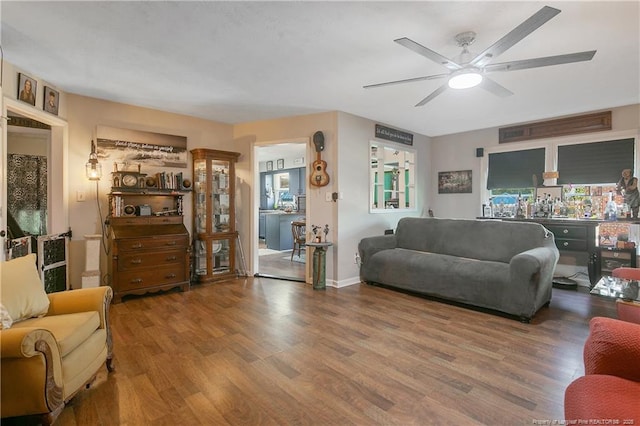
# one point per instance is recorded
(27, 89)
(269, 166)
(455, 182)
(51, 100)
(280, 164)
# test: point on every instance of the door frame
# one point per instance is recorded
(255, 200)
(58, 209)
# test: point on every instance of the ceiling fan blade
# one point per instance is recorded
(408, 80)
(513, 37)
(435, 93)
(541, 62)
(428, 53)
(495, 88)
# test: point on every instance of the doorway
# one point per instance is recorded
(282, 201)
(47, 138)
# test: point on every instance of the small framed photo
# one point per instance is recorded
(269, 166)
(51, 100)
(27, 89)
(280, 164)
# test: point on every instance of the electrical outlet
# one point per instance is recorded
(327, 196)
(81, 196)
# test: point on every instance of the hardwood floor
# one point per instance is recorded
(279, 264)
(263, 351)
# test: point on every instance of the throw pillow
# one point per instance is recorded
(5, 318)
(21, 291)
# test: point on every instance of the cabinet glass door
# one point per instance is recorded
(220, 261)
(200, 189)
(221, 197)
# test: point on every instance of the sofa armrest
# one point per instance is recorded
(540, 260)
(82, 300)
(371, 245)
(613, 348)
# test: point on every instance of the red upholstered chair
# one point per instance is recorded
(628, 310)
(626, 273)
(610, 388)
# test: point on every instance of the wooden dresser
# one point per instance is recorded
(148, 254)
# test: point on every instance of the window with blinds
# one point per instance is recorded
(515, 169)
(596, 162)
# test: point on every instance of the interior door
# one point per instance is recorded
(57, 206)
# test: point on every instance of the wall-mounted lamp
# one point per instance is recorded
(93, 168)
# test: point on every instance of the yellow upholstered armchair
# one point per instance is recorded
(52, 345)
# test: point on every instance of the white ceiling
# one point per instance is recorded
(237, 62)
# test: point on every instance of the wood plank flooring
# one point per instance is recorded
(258, 351)
(280, 264)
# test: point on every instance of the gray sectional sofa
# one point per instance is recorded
(502, 266)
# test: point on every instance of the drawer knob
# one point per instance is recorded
(136, 261)
(565, 231)
(565, 244)
(136, 281)
(137, 246)
(171, 243)
(170, 276)
(171, 258)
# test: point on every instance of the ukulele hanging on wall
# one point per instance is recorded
(319, 176)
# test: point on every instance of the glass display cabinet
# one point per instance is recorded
(214, 221)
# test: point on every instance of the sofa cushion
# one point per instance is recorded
(70, 330)
(470, 238)
(452, 277)
(21, 291)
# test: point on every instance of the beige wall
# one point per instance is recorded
(84, 114)
(290, 129)
(347, 139)
(346, 152)
(458, 152)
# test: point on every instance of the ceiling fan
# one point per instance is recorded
(467, 71)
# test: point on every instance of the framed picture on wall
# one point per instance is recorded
(280, 164)
(27, 88)
(455, 182)
(269, 166)
(51, 100)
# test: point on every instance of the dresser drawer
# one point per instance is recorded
(143, 278)
(164, 242)
(165, 220)
(568, 231)
(137, 260)
(575, 245)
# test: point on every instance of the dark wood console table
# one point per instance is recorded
(577, 235)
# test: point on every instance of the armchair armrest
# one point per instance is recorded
(613, 348)
(31, 371)
(82, 300)
(20, 342)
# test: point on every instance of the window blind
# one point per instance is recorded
(515, 169)
(596, 162)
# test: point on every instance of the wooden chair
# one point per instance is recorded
(298, 229)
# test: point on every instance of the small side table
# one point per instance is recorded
(319, 264)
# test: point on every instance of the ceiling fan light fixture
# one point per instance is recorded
(465, 78)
